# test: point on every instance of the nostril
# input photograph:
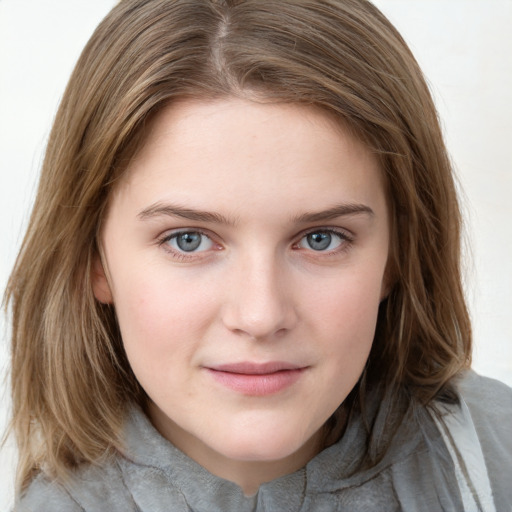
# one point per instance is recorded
(259, 300)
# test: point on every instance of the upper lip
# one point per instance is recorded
(250, 368)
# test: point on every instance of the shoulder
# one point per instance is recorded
(474, 385)
(490, 405)
(43, 495)
(88, 488)
(141, 477)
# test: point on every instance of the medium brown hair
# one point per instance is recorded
(71, 381)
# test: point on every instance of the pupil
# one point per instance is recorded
(189, 241)
(319, 241)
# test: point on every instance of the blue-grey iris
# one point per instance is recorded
(188, 241)
(319, 241)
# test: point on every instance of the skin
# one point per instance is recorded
(257, 289)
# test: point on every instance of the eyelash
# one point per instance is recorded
(346, 241)
(182, 255)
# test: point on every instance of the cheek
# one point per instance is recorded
(161, 329)
(157, 319)
(347, 316)
(343, 320)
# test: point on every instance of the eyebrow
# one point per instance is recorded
(340, 210)
(173, 210)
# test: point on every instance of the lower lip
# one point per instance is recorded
(257, 384)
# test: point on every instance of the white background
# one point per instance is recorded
(465, 49)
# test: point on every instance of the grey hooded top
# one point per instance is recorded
(430, 465)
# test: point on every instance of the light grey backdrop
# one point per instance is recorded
(464, 47)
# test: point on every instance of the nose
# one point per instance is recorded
(260, 299)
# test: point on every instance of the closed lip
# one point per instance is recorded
(251, 368)
(256, 379)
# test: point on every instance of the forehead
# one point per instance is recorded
(232, 151)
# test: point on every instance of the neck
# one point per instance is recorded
(250, 475)
(247, 474)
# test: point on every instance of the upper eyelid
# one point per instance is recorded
(179, 254)
(343, 232)
(347, 239)
(163, 239)
(170, 233)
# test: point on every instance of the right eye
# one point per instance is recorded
(188, 241)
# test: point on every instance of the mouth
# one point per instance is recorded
(257, 379)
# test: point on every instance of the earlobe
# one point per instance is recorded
(384, 292)
(388, 281)
(100, 285)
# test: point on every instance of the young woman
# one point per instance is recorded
(240, 287)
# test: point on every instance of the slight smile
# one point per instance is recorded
(257, 379)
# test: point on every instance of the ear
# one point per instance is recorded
(385, 290)
(100, 286)
(388, 281)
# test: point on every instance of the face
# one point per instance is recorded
(244, 252)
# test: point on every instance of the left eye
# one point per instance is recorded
(189, 241)
(321, 241)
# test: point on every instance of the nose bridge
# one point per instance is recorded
(260, 300)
